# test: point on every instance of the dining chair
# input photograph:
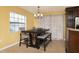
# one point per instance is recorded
(24, 38)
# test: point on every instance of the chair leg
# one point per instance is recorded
(44, 47)
(26, 42)
(19, 43)
(37, 44)
(20, 40)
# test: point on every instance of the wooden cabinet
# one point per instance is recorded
(71, 13)
(72, 40)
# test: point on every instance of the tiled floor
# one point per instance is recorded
(53, 47)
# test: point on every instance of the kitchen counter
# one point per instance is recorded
(72, 41)
(72, 29)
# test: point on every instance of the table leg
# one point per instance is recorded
(30, 39)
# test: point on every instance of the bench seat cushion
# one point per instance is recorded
(43, 36)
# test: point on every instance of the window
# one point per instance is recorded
(17, 21)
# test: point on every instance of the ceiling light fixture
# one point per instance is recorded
(38, 14)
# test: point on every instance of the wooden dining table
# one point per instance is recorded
(33, 33)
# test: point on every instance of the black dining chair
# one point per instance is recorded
(24, 38)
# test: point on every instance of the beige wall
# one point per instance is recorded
(7, 37)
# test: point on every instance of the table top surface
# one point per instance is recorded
(36, 30)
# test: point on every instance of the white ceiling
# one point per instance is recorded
(44, 9)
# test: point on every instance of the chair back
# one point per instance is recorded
(24, 34)
(22, 29)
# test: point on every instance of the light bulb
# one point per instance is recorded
(41, 14)
(38, 14)
(35, 15)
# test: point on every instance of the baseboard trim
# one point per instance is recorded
(8, 46)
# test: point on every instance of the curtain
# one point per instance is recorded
(56, 25)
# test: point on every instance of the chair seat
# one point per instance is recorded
(43, 36)
(25, 36)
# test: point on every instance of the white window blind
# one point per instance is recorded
(17, 21)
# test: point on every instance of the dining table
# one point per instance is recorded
(33, 33)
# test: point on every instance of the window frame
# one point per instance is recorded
(18, 21)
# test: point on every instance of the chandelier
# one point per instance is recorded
(38, 14)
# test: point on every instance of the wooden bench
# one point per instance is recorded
(46, 39)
